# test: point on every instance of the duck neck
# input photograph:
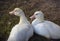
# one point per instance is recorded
(40, 19)
(23, 19)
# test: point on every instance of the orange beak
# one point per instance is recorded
(32, 17)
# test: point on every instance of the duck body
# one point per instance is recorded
(20, 32)
(47, 29)
(23, 30)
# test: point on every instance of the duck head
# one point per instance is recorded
(38, 15)
(17, 12)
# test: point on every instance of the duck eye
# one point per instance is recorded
(36, 14)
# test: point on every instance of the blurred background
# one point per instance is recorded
(50, 8)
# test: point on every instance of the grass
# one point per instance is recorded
(49, 8)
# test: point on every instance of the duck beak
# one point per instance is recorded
(12, 12)
(32, 17)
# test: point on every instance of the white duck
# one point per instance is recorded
(45, 28)
(23, 30)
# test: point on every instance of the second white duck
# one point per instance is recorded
(45, 28)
